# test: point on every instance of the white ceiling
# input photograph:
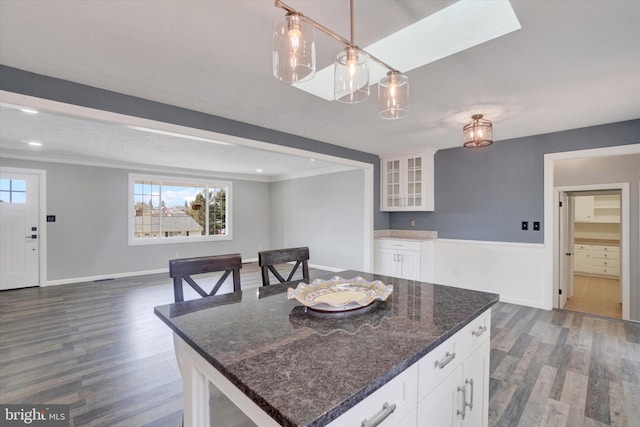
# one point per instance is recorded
(572, 64)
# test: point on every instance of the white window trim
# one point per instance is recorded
(165, 240)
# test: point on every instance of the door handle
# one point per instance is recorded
(568, 254)
(470, 404)
(463, 412)
(33, 236)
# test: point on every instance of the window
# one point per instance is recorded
(175, 210)
(13, 190)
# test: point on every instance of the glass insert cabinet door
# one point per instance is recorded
(393, 196)
(407, 183)
(414, 181)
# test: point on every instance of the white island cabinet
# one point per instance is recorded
(449, 386)
(407, 182)
(256, 358)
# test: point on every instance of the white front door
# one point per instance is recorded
(19, 230)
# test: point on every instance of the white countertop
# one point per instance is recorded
(405, 234)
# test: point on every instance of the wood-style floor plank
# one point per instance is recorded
(98, 347)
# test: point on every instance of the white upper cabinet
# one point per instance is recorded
(601, 208)
(407, 182)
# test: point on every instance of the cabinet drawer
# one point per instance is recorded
(608, 271)
(476, 332)
(603, 248)
(605, 255)
(604, 262)
(401, 391)
(407, 245)
(577, 247)
(437, 365)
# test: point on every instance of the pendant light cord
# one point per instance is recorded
(351, 18)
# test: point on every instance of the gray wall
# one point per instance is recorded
(323, 212)
(24, 82)
(484, 194)
(89, 237)
(603, 170)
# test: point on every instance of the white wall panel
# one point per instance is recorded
(512, 270)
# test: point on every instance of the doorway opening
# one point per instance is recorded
(590, 230)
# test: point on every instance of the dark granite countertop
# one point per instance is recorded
(306, 369)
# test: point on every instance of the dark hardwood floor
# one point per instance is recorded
(98, 347)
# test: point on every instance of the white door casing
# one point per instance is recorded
(624, 236)
(20, 228)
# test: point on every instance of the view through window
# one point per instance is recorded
(177, 209)
(13, 190)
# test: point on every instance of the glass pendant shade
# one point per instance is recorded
(351, 76)
(294, 49)
(393, 96)
(478, 133)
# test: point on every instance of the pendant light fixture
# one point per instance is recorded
(478, 133)
(393, 96)
(351, 74)
(294, 49)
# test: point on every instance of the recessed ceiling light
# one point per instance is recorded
(34, 143)
(258, 170)
(312, 160)
(29, 110)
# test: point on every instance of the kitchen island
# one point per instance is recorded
(274, 362)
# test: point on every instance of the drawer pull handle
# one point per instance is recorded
(444, 362)
(463, 413)
(481, 330)
(381, 416)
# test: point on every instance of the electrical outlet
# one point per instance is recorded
(525, 225)
(412, 223)
(536, 225)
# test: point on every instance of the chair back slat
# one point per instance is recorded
(268, 259)
(181, 270)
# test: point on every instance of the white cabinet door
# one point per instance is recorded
(442, 406)
(385, 262)
(408, 264)
(475, 374)
(582, 262)
(392, 184)
(583, 208)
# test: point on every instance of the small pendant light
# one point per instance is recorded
(393, 96)
(294, 49)
(351, 76)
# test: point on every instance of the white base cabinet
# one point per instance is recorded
(597, 260)
(408, 259)
(447, 387)
(455, 379)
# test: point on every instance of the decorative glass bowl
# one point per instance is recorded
(339, 294)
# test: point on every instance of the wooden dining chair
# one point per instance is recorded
(183, 269)
(268, 260)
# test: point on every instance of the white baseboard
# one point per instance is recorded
(105, 277)
(146, 272)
